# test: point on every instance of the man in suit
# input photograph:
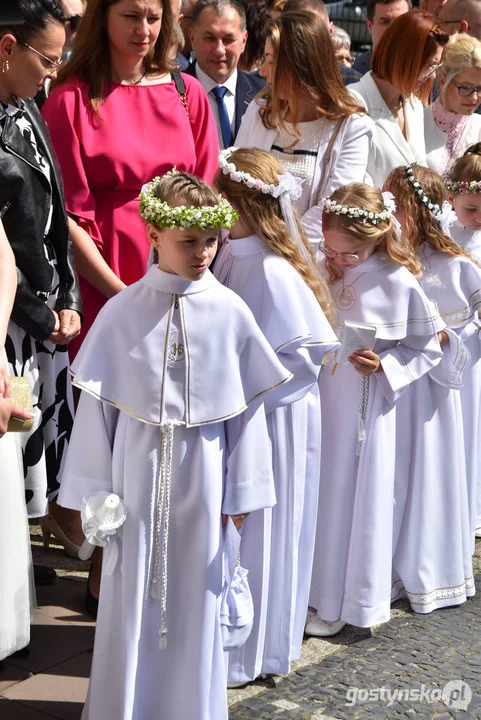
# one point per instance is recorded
(380, 14)
(218, 35)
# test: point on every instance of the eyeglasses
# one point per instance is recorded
(452, 22)
(348, 258)
(430, 70)
(74, 21)
(349, 58)
(53, 64)
(467, 90)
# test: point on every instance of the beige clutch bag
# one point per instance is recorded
(21, 396)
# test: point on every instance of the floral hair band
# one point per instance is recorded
(365, 216)
(287, 183)
(418, 189)
(162, 215)
(461, 187)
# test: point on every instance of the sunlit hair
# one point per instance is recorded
(340, 39)
(315, 6)
(90, 59)
(305, 61)
(467, 168)
(263, 214)
(462, 52)
(384, 232)
(391, 60)
(184, 189)
(37, 15)
(419, 224)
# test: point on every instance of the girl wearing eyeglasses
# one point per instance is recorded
(450, 122)
(46, 312)
(372, 282)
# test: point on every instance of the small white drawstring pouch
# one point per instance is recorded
(237, 607)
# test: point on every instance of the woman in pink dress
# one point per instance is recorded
(118, 116)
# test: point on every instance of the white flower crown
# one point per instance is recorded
(365, 216)
(418, 189)
(288, 183)
(162, 215)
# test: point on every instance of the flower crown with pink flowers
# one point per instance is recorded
(287, 183)
(462, 187)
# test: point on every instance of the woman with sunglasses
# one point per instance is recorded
(450, 122)
(394, 91)
(47, 306)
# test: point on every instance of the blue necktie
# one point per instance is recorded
(219, 93)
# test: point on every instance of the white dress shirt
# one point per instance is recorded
(208, 84)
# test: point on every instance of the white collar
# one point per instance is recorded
(209, 84)
(162, 281)
(247, 246)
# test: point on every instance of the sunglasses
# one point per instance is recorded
(74, 21)
(53, 64)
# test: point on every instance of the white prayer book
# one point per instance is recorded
(354, 336)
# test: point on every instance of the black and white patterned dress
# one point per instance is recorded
(46, 367)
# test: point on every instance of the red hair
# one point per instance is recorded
(404, 51)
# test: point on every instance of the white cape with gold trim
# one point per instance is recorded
(278, 545)
(357, 505)
(169, 350)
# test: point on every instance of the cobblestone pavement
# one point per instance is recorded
(331, 681)
(405, 663)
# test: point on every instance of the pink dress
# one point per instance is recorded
(144, 131)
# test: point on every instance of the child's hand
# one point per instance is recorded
(366, 362)
(238, 520)
(443, 338)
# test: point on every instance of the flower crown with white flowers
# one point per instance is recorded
(162, 215)
(418, 189)
(461, 187)
(287, 183)
(365, 216)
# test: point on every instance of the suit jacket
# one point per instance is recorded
(389, 148)
(248, 85)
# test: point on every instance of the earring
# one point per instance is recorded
(5, 67)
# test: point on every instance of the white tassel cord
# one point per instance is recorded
(361, 413)
(162, 522)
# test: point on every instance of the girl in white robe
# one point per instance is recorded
(273, 270)
(434, 536)
(371, 283)
(464, 188)
(174, 372)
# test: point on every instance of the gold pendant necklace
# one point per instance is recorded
(345, 297)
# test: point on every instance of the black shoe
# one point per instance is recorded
(91, 603)
(22, 654)
(44, 575)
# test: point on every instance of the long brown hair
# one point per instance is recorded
(90, 59)
(404, 50)
(419, 224)
(263, 214)
(304, 59)
(384, 232)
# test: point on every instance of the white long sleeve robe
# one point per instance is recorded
(278, 545)
(354, 546)
(168, 350)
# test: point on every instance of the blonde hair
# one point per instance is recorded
(184, 189)
(467, 168)
(461, 53)
(420, 225)
(263, 214)
(383, 233)
(304, 60)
